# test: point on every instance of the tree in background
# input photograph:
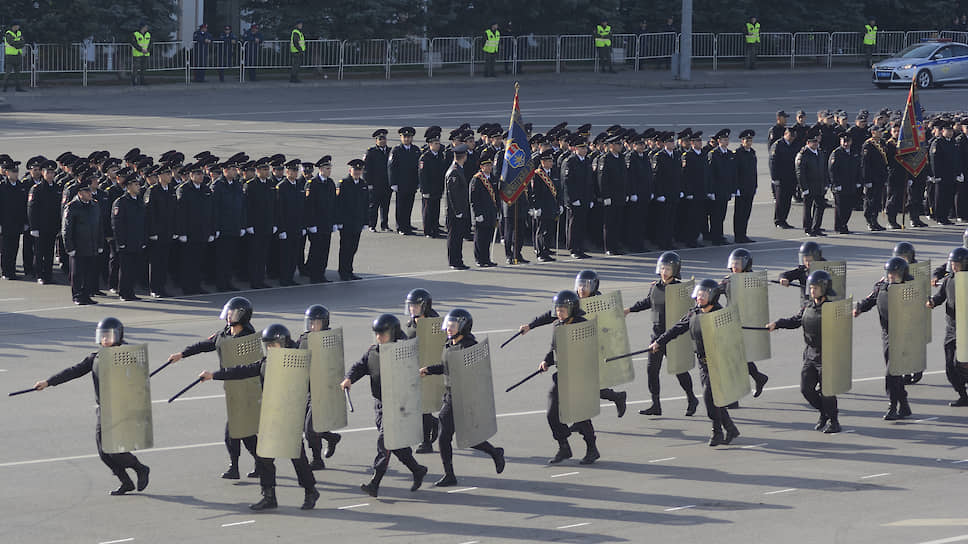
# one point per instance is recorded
(66, 21)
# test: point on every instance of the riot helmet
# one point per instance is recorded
(896, 269)
(670, 259)
(387, 323)
(586, 282)
(958, 256)
(317, 313)
(710, 288)
(237, 311)
(418, 297)
(824, 280)
(462, 318)
(567, 299)
(964, 239)
(906, 250)
(742, 257)
(110, 332)
(810, 249)
(276, 333)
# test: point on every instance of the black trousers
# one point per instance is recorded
(895, 196)
(577, 217)
(956, 372)
(117, 462)
(916, 196)
(653, 368)
(297, 60)
(226, 250)
(258, 255)
(483, 238)
(843, 207)
(635, 220)
(690, 216)
(44, 254)
(742, 209)
(289, 256)
(159, 252)
(544, 234)
(489, 61)
(192, 257)
(83, 277)
(382, 459)
(612, 226)
(28, 254)
(718, 415)
(943, 201)
(304, 474)
(313, 438)
(138, 71)
(129, 271)
(664, 220)
(13, 64)
(114, 264)
(716, 210)
(515, 226)
(349, 243)
(446, 438)
(8, 253)
(961, 200)
(456, 229)
(810, 376)
(813, 210)
(559, 430)
(319, 254)
(430, 212)
(404, 208)
(605, 59)
(234, 446)
(873, 196)
(784, 197)
(379, 207)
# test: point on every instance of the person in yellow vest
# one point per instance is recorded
(752, 42)
(140, 41)
(13, 51)
(297, 50)
(603, 44)
(870, 40)
(492, 41)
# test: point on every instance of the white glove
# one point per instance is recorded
(241, 233)
(174, 236)
(183, 239)
(313, 230)
(561, 210)
(910, 182)
(681, 194)
(394, 188)
(690, 197)
(153, 237)
(100, 250)
(651, 196)
(282, 236)
(660, 199)
(537, 212)
(626, 198)
(576, 203)
(837, 188)
(711, 196)
(1, 230)
(275, 230)
(634, 198)
(336, 227)
(737, 193)
(775, 182)
(143, 246)
(250, 230)
(591, 205)
(122, 247)
(218, 234)
(531, 212)
(805, 192)
(302, 232)
(459, 215)
(868, 185)
(608, 201)
(960, 178)
(211, 238)
(27, 228)
(858, 185)
(425, 195)
(35, 233)
(479, 219)
(71, 253)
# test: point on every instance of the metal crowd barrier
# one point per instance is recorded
(656, 45)
(576, 48)
(408, 52)
(322, 54)
(364, 54)
(916, 36)
(811, 45)
(217, 55)
(537, 49)
(451, 52)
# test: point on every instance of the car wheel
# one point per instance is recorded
(882, 85)
(925, 80)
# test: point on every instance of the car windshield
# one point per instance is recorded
(919, 50)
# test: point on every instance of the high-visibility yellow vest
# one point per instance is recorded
(603, 36)
(301, 39)
(752, 33)
(493, 40)
(10, 37)
(870, 34)
(143, 41)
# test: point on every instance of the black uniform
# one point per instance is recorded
(513, 217)
(117, 462)
(431, 425)
(160, 224)
(128, 223)
(612, 189)
(290, 215)
(13, 221)
(193, 220)
(352, 199)
(721, 182)
(809, 318)
(543, 196)
(375, 172)
(893, 384)
(691, 209)
(668, 170)
(458, 219)
(576, 179)
(810, 179)
(946, 166)
(114, 191)
(402, 167)
(844, 173)
(956, 371)
(640, 198)
(82, 240)
(320, 217)
(260, 223)
(784, 178)
(43, 215)
(745, 191)
(655, 301)
(559, 430)
(483, 201)
(431, 170)
(874, 174)
(897, 183)
(228, 203)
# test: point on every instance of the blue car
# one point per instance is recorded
(932, 63)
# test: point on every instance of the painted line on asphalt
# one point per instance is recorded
(3, 369)
(573, 525)
(780, 491)
(680, 508)
(247, 522)
(471, 542)
(10, 299)
(661, 460)
(117, 541)
(564, 474)
(957, 462)
(928, 522)
(754, 445)
(462, 490)
(926, 419)
(353, 506)
(875, 475)
(850, 431)
(948, 540)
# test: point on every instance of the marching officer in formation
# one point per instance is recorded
(316, 319)
(419, 304)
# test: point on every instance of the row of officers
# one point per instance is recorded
(579, 320)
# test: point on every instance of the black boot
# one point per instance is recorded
(418, 475)
(760, 380)
(255, 473)
(372, 488)
(962, 401)
(268, 500)
(731, 432)
(733, 406)
(591, 453)
(620, 403)
(233, 471)
(691, 407)
(331, 444)
(449, 478)
(317, 462)
(126, 484)
(142, 473)
(655, 409)
(903, 409)
(424, 447)
(892, 221)
(891, 414)
(833, 427)
(564, 452)
(498, 456)
(310, 501)
(717, 437)
(822, 422)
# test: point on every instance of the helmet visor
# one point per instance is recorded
(107, 337)
(585, 286)
(231, 315)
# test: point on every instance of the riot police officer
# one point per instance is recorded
(317, 319)
(419, 304)
(957, 371)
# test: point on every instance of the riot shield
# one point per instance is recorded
(837, 351)
(430, 341)
(402, 406)
(326, 370)
(472, 393)
(125, 398)
(577, 356)
(961, 317)
(722, 336)
(283, 403)
(681, 352)
(748, 292)
(613, 338)
(242, 397)
(922, 275)
(838, 275)
(907, 351)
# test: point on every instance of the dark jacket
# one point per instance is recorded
(576, 178)
(160, 211)
(43, 208)
(810, 171)
(810, 319)
(259, 206)
(369, 365)
(945, 160)
(458, 194)
(668, 171)
(402, 168)
(290, 212)
(193, 212)
(873, 163)
(82, 228)
(212, 342)
(128, 223)
(721, 178)
(782, 156)
(693, 174)
(746, 171)
(844, 170)
(228, 203)
(544, 192)
(484, 199)
(639, 175)
(320, 203)
(13, 207)
(431, 170)
(352, 203)
(375, 170)
(946, 296)
(612, 179)
(655, 301)
(689, 323)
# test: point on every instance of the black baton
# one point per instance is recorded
(755, 329)
(160, 368)
(533, 374)
(508, 341)
(349, 401)
(617, 357)
(21, 392)
(791, 284)
(180, 393)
